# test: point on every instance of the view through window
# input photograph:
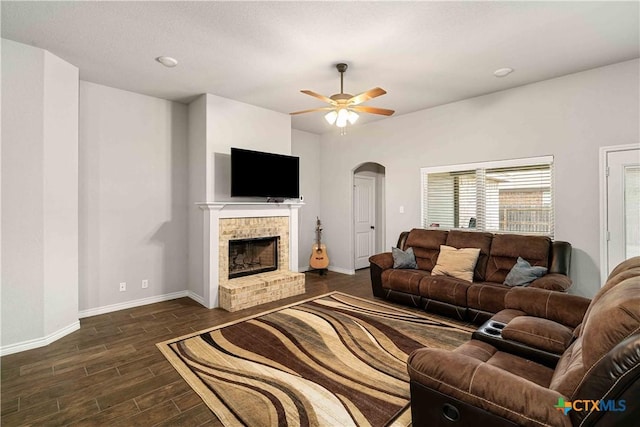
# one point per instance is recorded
(512, 196)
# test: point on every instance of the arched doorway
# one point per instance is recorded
(368, 212)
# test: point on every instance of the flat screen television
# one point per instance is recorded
(260, 174)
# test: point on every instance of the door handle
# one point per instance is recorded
(372, 227)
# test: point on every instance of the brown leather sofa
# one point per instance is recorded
(476, 301)
(595, 382)
(541, 324)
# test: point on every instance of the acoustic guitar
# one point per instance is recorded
(319, 259)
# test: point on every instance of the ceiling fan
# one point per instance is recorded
(344, 106)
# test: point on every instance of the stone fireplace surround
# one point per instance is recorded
(224, 221)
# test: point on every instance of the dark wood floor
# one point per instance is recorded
(110, 372)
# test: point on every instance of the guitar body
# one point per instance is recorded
(319, 259)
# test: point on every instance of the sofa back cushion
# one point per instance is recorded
(506, 248)
(628, 264)
(614, 280)
(611, 320)
(426, 246)
(473, 239)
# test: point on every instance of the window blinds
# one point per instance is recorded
(506, 197)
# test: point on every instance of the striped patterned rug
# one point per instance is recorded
(336, 360)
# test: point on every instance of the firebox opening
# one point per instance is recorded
(253, 256)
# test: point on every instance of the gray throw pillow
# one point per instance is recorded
(523, 273)
(403, 259)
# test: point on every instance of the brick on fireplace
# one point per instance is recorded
(249, 291)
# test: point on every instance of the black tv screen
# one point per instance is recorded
(260, 174)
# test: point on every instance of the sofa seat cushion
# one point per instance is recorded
(444, 288)
(516, 365)
(480, 375)
(487, 296)
(403, 280)
(539, 333)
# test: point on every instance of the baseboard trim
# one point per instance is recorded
(197, 298)
(39, 342)
(350, 272)
(135, 303)
(330, 268)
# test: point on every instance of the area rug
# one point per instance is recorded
(336, 360)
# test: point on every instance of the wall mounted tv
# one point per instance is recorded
(260, 174)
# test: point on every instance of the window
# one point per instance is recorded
(512, 196)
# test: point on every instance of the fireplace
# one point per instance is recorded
(252, 256)
(228, 221)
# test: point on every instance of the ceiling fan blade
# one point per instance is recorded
(317, 95)
(312, 110)
(365, 96)
(373, 110)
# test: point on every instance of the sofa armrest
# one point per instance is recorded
(485, 386)
(378, 264)
(383, 260)
(539, 333)
(566, 309)
(553, 282)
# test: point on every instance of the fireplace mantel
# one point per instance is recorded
(242, 209)
(214, 211)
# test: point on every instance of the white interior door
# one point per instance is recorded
(623, 206)
(364, 203)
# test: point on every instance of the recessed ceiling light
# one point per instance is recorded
(502, 72)
(167, 61)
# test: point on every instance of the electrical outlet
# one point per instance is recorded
(145, 284)
(123, 286)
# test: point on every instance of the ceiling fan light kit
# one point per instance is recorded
(341, 117)
(344, 105)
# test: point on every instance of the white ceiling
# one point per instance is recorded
(263, 53)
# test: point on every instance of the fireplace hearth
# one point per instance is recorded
(252, 256)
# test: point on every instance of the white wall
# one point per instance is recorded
(307, 146)
(60, 193)
(133, 198)
(568, 117)
(216, 124)
(236, 124)
(197, 193)
(39, 197)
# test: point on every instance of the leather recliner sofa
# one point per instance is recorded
(542, 324)
(480, 299)
(595, 382)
